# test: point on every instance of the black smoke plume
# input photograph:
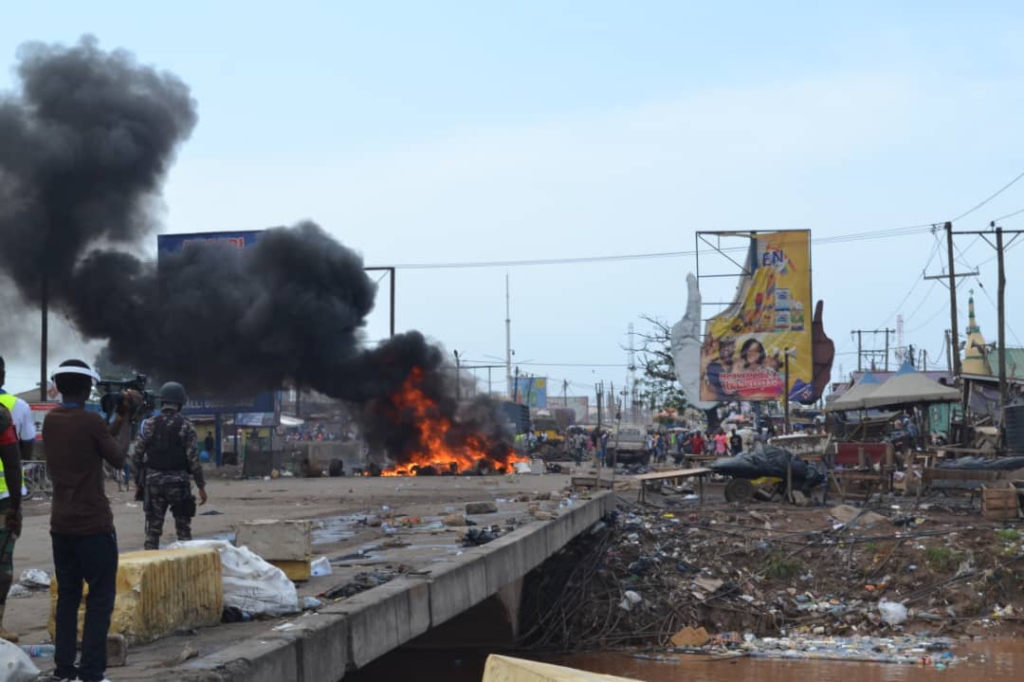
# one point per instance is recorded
(84, 148)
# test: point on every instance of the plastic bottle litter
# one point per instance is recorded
(321, 566)
(39, 650)
(312, 603)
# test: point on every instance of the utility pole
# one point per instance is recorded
(458, 377)
(565, 393)
(860, 349)
(955, 330)
(1000, 248)
(43, 382)
(949, 353)
(508, 340)
(874, 352)
(1001, 304)
(515, 388)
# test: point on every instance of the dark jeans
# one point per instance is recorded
(92, 558)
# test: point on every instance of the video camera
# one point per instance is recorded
(141, 402)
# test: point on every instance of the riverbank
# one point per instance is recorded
(774, 569)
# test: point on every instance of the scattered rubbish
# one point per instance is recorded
(251, 584)
(691, 637)
(117, 650)
(187, 652)
(360, 583)
(15, 664)
(454, 520)
(893, 613)
(474, 508)
(320, 566)
(310, 603)
(478, 536)
(39, 650)
(629, 600)
(902, 650)
(34, 578)
(709, 585)
(19, 592)
(282, 627)
(212, 512)
(851, 516)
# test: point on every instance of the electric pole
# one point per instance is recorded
(874, 352)
(955, 330)
(1000, 248)
(1001, 304)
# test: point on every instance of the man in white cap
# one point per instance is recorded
(78, 442)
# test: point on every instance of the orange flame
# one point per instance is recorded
(435, 448)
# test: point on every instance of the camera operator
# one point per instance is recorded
(78, 441)
(166, 454)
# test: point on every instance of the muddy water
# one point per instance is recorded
(994, 661)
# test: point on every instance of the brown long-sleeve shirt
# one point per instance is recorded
(77, 442)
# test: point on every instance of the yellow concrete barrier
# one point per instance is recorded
(507, 669)
(159, 592)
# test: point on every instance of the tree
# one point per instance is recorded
(658, 389)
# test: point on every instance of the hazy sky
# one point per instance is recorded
(427, 132)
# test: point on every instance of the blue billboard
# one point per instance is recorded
(531, 391)
(265, 402)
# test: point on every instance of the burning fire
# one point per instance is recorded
(441, 447)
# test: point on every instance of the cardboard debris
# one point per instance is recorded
(481, 508)
(709, 585)
(844, 514)
(691, 637)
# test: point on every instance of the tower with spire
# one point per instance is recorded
(975, 351)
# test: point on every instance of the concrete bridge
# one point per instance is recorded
(472, 596)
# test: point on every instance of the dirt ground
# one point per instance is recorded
(235, 501)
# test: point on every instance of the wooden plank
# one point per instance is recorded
(676, 473)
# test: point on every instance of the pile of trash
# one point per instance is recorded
(641, 575)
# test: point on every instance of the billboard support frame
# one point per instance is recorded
(709, 243)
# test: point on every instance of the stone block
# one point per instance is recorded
(159, 592)
(278, 540)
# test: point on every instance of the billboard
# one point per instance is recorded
(744, 349)
(531, 391)
(264, 402)
(579, 404)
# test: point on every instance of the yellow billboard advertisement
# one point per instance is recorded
(745, 347)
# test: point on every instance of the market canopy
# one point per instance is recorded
(910, 387)
(853, 399)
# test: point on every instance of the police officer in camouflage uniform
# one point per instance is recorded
(165, 455)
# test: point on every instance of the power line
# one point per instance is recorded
(838, 239)
(1002, 189)
(1008, 215)
(935, 251)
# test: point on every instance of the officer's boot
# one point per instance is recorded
(4, 634)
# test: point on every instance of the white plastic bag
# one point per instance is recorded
(321, 566)
(893, 613)
(35, 577)
(251, 584)
(15, 664)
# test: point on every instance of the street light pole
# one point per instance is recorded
(785, 391)
(458, 377)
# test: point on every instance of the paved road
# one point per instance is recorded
(288, 498)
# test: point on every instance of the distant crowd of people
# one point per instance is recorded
(318, 432)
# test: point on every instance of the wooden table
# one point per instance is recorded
(675, 474)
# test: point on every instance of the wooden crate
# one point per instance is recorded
(999, 503)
